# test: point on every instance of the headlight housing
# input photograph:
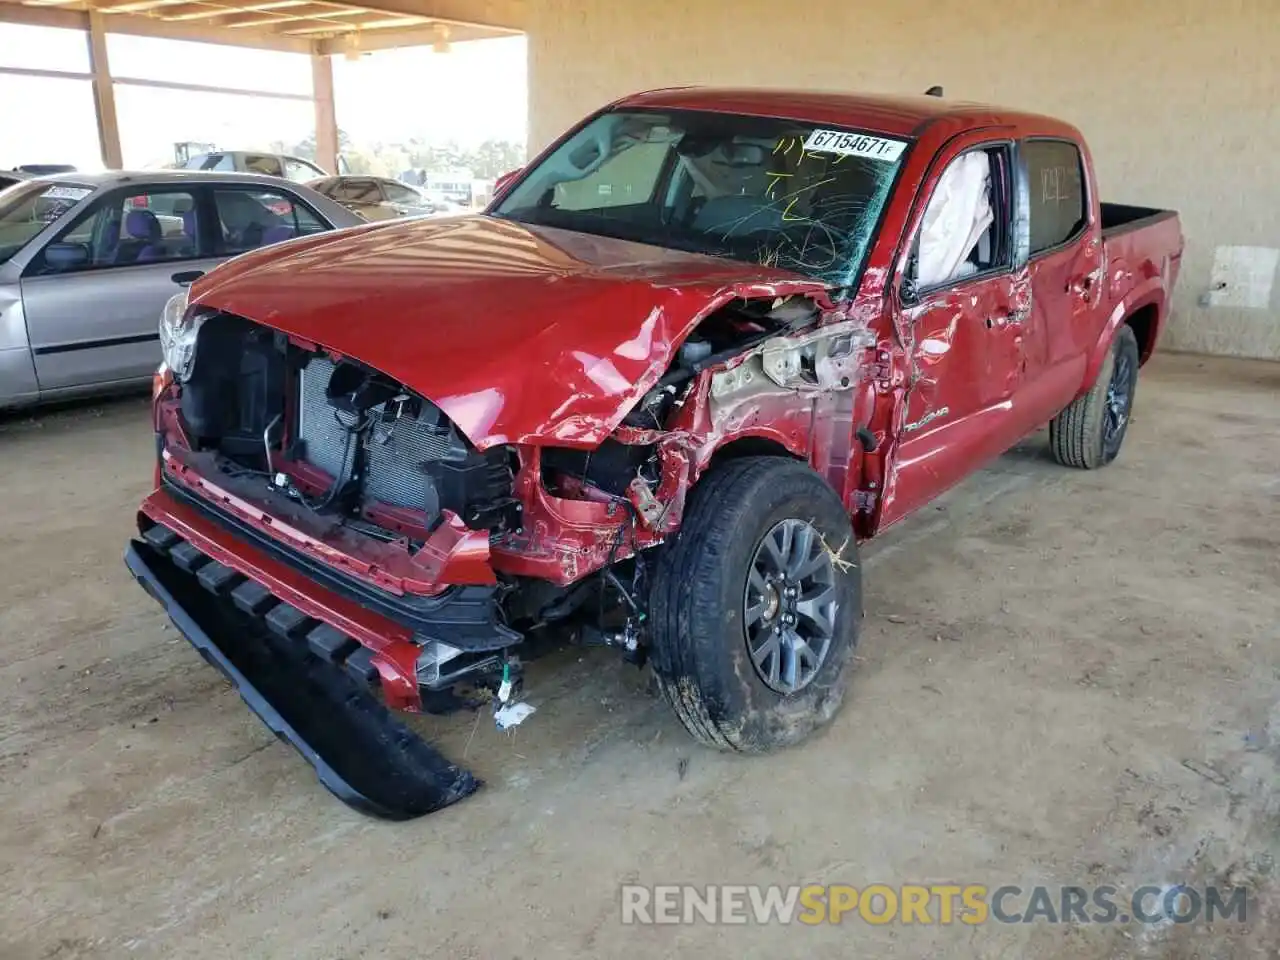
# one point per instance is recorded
(178, 330)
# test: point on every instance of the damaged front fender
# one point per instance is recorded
(578, 396)
(802, 395)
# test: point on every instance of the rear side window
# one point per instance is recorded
(300, 171)
(357, 191)
(212, 161)
(399, 193)
(1055, 178)
(250, 218)
(262, 163)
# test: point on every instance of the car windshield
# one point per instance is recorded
(771, 191)
(27, 208)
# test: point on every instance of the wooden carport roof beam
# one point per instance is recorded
(326, 115)
(146, 27)
(297, 26)
(200, 11)
(498, 14)
(104, 95)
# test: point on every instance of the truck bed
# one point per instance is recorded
(1144, 255)
(1122, 217)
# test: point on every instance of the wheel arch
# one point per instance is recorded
(1145, 321)
(754, 445)
(1144, 314)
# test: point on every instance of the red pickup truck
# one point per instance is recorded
(653, 398)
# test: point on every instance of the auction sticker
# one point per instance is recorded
(66, 193)
(854, 145)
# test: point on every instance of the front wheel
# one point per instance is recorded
(756, 606)
(1089, 432)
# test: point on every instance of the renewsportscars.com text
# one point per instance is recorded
(971, 904)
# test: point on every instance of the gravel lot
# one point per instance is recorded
(1067, 678)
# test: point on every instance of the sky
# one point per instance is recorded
(474, 92)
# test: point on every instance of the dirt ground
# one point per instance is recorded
(1066, 678)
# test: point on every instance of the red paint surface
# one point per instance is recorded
(539, 337)
(520, 334)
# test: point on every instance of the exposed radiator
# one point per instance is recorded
(393, 451)
(325, 437)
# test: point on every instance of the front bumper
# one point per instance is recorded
(306, 681)
(464, 617)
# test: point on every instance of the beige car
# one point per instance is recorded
(379, 198)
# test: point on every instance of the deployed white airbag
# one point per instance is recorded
(958, 214)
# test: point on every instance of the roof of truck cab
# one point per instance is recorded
(903, 116)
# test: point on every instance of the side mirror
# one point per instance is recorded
(506, 180)
(185, 278)
(60, 257)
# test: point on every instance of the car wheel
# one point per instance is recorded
(1089, 432)
(756, 606)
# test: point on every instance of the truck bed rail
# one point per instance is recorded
(1121, 217)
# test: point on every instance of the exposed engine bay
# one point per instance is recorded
(335, 436)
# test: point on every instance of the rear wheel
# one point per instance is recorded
(756, 606)
(1089, 432)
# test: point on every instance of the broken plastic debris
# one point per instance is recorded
(513, 714)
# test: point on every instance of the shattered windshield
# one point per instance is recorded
(775, 192)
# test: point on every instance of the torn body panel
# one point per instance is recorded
(803, 394)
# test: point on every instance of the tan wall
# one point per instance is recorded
(1178, 98)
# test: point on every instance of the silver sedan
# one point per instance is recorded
(87, 262)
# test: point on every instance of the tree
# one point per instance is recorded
(493, 158)
(489, 160)
(306, 147)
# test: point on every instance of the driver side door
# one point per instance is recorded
(961, 298)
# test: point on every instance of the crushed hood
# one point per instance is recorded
(520, 334)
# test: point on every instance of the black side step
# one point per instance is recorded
(361, 752)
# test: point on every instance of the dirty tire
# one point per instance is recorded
(1078, 435)
(701, 660)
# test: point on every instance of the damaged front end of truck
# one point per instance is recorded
(393, 461)
(332, 539)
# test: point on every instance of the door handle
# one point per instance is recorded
(1083, 286)
(1012, 318)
